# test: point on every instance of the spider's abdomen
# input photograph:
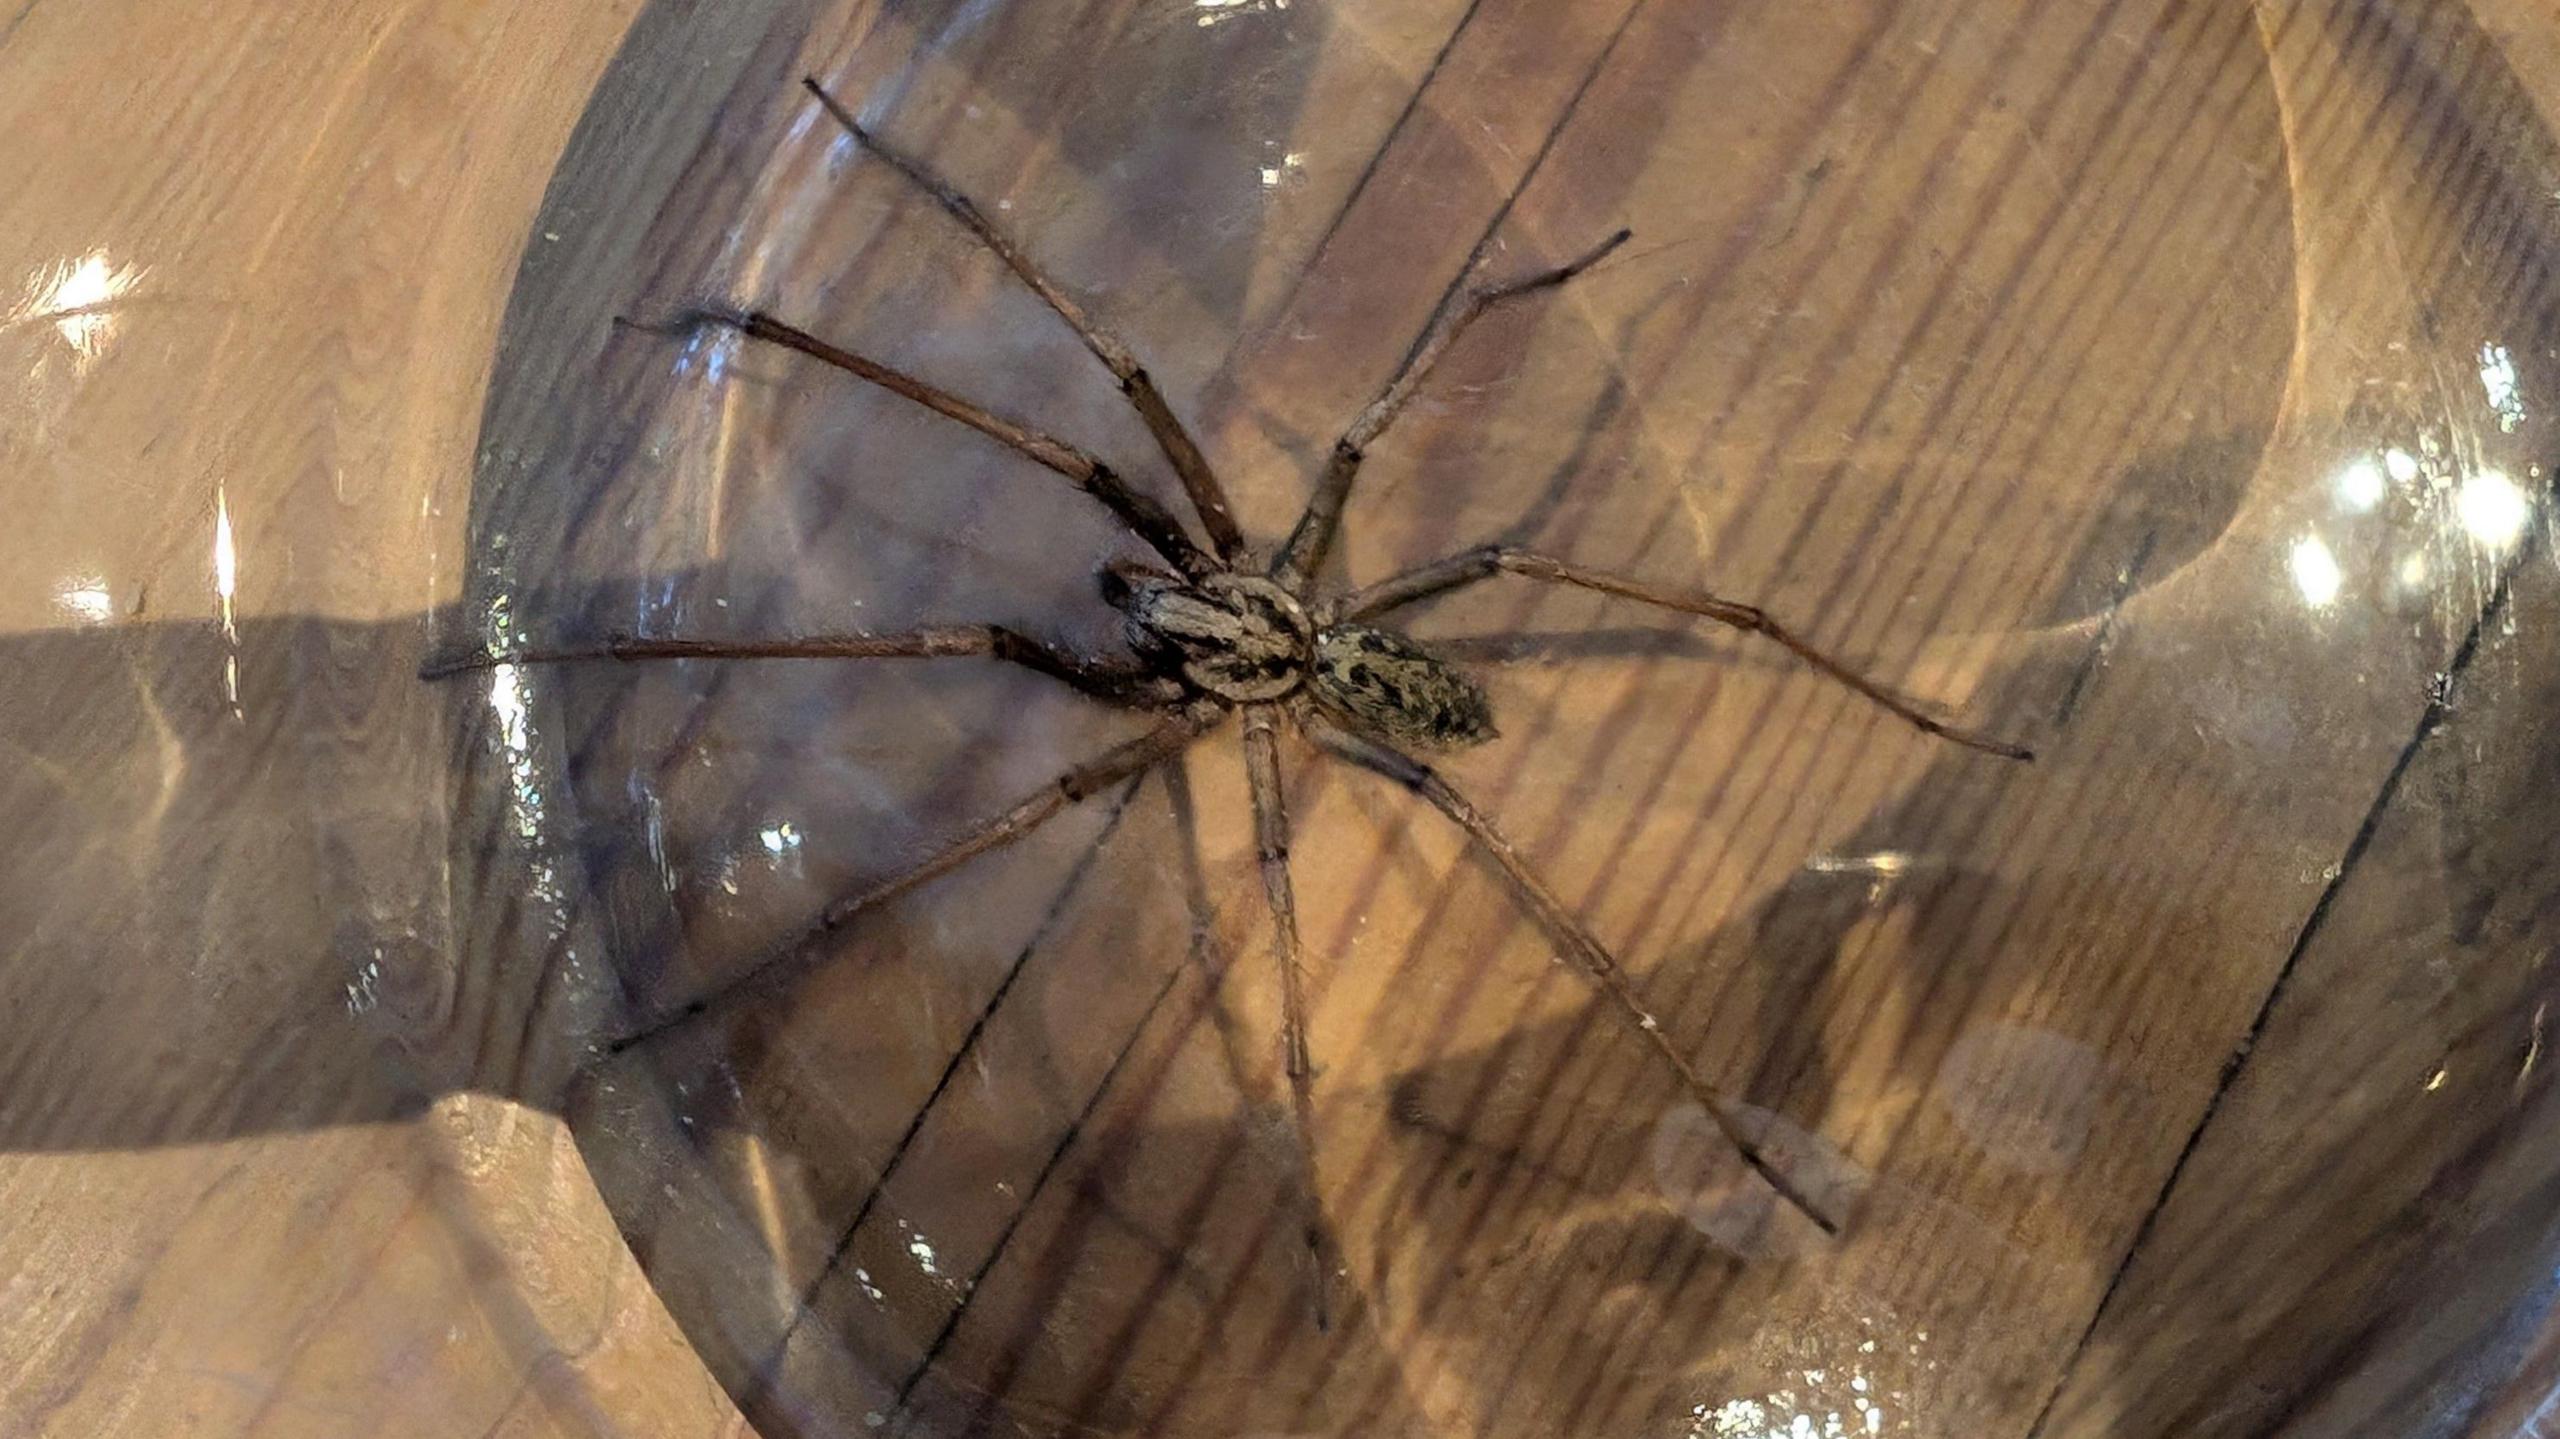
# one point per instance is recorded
(1381, 682)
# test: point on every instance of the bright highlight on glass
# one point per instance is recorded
(76, 296)
(2493, 510)
(2498, 381)
(2360, 485)
(86, 600)
(2315, 572)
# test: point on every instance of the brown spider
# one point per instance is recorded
(1226, 629)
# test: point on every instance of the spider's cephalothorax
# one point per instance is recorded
(1246, 640)
(1239, 638)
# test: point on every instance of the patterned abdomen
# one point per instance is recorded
(1382, 683)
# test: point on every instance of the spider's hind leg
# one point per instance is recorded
(1579, 945)
(1271, 845)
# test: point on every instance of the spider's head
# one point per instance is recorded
(1387, 685)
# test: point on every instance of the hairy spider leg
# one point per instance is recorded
(1567, 933)
(1303, 556)
(1271, 847)
(1126, 760)
(1145, 518)
(1127, 684)
(1484, 562)
(1207, 495)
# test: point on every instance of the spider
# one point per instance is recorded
(1227, 629)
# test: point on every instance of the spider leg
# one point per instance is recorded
(1146, 519)
(770, 1367)
(1567, 933)
(1207, 495)
(1441, 576)
(1271, 845)
(1125, 760)
(1304, 553)
(1131, 685)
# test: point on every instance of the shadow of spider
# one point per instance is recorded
(1218, 631)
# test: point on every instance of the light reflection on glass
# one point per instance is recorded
(78, 296)
(226, 563)
(2360, 485)
(1882, 861)
(1213, 11)
(2315, 572)
(2400, 464)
(1790, 1414)
(85, 599)
(2493, 510)
(2498, 379)
(511, 702)
(226, 584)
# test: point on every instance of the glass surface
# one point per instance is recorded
(2168, 389)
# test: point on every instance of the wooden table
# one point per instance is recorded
(2169, 387)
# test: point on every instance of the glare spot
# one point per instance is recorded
(1819, 1411)
(2498, 379)
(780, 838)
(86, 600)
(226, 562)
(2493, 510)
(2435, 1081)
(77, 296)
(2315, 572)
(2360, 485)
(1214, 11)
(2413, 571)
(364, 992)
(1883, 862)
(2402, 465)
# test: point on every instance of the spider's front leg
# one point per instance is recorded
(1486, 561)
(1302, 556)
(1208, 497)
(1113, 682)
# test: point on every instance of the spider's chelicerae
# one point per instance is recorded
(1225, 629)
